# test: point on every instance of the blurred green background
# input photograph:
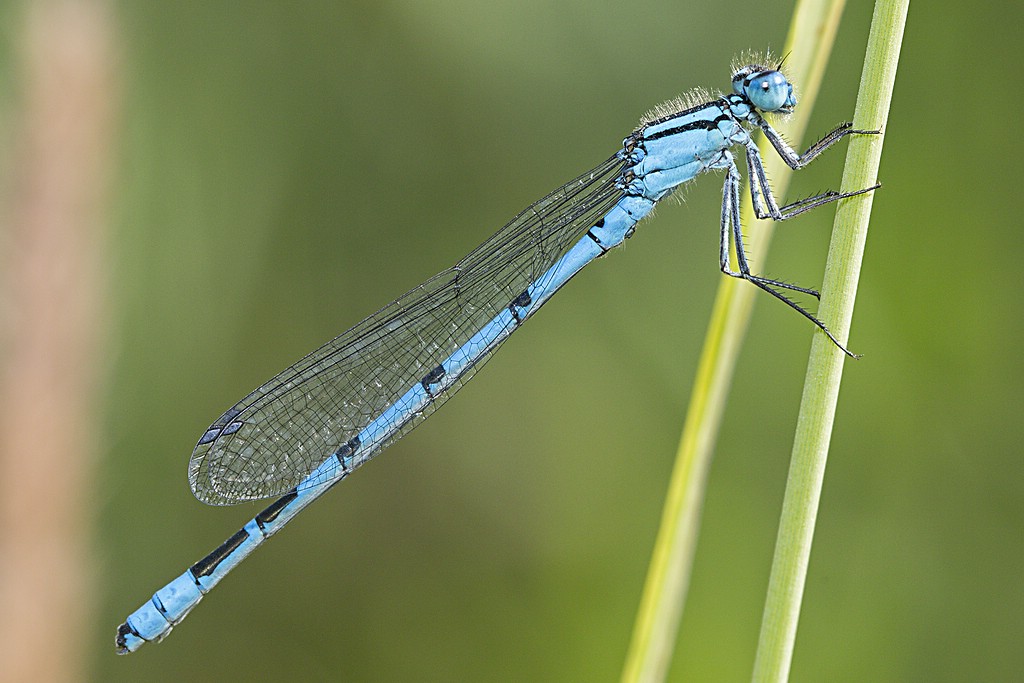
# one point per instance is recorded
(285, 169)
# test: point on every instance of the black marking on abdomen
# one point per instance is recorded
(274, 509)
(591, 235)
(122, 642)
(208, 564)
(432, 377)
(524, 300)
(346, 450)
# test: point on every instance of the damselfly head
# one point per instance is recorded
(767, 88)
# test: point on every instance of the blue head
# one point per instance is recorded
(765, 87)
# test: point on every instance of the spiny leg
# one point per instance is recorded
(807, 203)
(761, 188)
(733, 197)
(796, 161)
(731, 218)
(729, 204)
(760, 282)
(731, 213)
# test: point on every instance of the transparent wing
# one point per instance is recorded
(277, 435)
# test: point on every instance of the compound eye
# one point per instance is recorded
(770, 91)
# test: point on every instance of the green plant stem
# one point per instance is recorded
(825, 366)
(811, 35)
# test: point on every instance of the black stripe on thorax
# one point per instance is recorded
(693, 125)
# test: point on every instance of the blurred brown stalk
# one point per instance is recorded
(52, 322)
